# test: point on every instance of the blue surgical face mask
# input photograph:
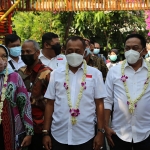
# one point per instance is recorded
(149, 53)
(96, 51)
(113, 57)
(88, 51)
(15, 51)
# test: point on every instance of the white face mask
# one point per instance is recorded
(74, 59)
(132, 56)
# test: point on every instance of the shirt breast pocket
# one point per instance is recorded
(89, 91)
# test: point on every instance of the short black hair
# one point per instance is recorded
(92, 42)
(48, 37)
(10, 38)
(75, 38)
(140, 37)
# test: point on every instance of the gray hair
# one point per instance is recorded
(35, 44)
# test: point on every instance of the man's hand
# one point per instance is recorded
(47, 142)
(26, 141)
(98, 141)
(109, 133)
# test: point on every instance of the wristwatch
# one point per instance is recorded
(44, 131)
(101, 130)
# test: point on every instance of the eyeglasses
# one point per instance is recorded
(4, 57)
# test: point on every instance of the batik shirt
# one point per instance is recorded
(16, 115)
(36, 84)
(98, 63)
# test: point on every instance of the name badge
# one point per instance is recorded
(59, 58)
(88, 76)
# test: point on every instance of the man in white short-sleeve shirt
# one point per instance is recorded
(71, 115)
(50, 55)
(128, 98)
(13, 43)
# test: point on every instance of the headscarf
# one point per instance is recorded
(7, 52)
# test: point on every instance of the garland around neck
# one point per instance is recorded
(3, 94)
(133, 103)
(74, 112)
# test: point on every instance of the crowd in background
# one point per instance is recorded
(55, 97)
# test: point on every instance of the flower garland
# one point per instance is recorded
(75, 111)
(3, 94)
(133, 103)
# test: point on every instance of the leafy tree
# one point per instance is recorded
(32, 25)
(109, 28)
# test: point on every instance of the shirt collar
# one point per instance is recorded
(20, 60)
(41, 55)
(143, 64)
(37, 66)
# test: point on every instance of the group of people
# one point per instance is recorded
(72, 101)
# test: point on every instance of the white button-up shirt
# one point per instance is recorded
(58, 61)
(62, 129)
(17, 65)
(128, 126)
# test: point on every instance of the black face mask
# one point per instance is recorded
(28, 59)
(56, 48)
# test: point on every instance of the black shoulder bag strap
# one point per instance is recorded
(11, 64)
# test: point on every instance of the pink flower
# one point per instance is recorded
(5, 85)
(128, 102)
(124, 78)
(66, 86)
(146, 81)
(148, 33)
(74, 112)
(83, 84)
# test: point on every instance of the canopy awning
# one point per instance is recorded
(78, 5)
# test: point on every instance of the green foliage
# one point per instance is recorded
(109, 28)
(32, 25)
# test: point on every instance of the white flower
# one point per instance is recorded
(133, 103)
(73, 119)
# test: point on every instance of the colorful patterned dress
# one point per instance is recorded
(16, 113)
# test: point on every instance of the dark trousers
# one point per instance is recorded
(2, 147)
(36, 143)
(122, 145)
(58, 146)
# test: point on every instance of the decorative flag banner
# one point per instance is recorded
(77, 5)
